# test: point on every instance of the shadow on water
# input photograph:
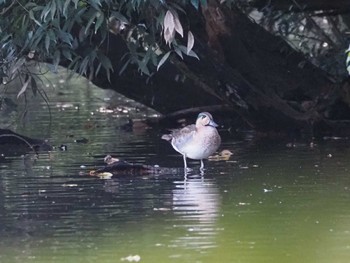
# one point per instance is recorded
(268, 202)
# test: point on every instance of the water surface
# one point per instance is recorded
(267, 203)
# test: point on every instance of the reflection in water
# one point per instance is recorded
(196, 203)
(268, 203)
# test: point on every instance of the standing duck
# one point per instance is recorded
(196, 141)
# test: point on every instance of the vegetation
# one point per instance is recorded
(76, 33)
(230, 53)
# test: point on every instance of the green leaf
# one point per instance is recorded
(124, 66)
(67, 54)
(91, 20)
(34, 86)
(178, 52)
(99, 21)
(163, 59)
(24, 87)
(56, 59)
(45, 12)
(195, 3)
(204, 3)
(19, 63)
(119, 16)
(47, 42)
(53, 9)
(65, 37)
(106, 62)
(31, 16)
(193, 54)
(76, 3)
(65, 7)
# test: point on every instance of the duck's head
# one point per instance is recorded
(205, 119)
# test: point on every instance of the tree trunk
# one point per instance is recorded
(338, 6)
(242, 67)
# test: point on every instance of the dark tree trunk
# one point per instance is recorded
(340, 6)
(243, 69)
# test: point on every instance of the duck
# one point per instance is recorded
(116, 166)
(224, 155)
(196, 141)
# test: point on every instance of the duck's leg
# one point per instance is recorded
(202, 165)
(185, 163)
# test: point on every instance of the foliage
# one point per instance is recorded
(76, 33)
(348, 60)
(321, 36)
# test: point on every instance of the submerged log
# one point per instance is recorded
(11, 141)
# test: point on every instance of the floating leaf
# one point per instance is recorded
(190, 42)
(163, 59)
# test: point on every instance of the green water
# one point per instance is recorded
(267, 203)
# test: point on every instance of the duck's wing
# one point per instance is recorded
(182, 136)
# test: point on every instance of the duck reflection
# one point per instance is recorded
(196, 202)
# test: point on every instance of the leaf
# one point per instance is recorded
(190, 42)
(119, 16)
(204, 3)
(178, 52)
(53, 9)
(193, 54)
(44, 13)
(124, 66)
(169, 21)
(67, 54)
(47, 42)
(65, 6)
(195, 3)
(99, 21)
(65, 37)
(56, 59)
(91, 20)
(169, 27)
(31, 16)
(168, 36)
(24, 87)
(34, 86)
(18, 64)
(163, 59)
(106, 62)
(178, 26)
